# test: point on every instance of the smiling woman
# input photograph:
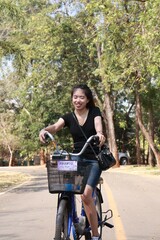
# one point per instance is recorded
(79, 101)
(88, 116)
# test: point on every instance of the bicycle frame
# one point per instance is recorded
(70, 215)
(73, 217)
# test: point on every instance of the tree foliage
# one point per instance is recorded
(54, 44)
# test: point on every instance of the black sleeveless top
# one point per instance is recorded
(88, 128)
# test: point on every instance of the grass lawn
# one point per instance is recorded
(11, 179)
(142, 170)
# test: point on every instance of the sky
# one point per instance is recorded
(5, 67)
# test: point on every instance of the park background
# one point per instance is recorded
(46, 47)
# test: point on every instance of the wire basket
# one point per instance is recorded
(67, 176)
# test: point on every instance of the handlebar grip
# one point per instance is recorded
(96, 140)
(48, 137)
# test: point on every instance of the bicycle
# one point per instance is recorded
(67, 178)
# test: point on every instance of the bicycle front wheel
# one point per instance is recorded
(62, 221)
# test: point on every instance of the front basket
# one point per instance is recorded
(67, 176)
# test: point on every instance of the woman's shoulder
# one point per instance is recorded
(67, 115)
(67, 118)
(95, 109)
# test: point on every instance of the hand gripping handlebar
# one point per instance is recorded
(87, 143)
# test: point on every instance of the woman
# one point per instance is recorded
(88, 116)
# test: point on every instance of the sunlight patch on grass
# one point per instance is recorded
(11, 179)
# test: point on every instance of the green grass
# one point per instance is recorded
(11, 179)
(135, 169)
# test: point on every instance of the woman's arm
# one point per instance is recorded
(51, 129)
(99, 129)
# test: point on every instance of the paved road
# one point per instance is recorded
(135, 203)
(27, 212)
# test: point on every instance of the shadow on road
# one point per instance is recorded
(36, 184)
(8, 236)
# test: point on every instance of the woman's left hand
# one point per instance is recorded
(102, 138)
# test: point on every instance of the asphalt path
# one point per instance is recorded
(28, 212)
(135, 203)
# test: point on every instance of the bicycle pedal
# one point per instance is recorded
(108, 225)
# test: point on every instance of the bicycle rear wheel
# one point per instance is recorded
(62, 221)
(98, 204)
(99, 210)
(75, 233)
(87, 236)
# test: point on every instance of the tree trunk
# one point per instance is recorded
(110, 126)
(108, 110)
(138, 151)
(151, 159)
(11, 156)
(144, 131)
(42, 157)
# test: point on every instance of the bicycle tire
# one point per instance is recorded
(98, 203)
(75, 233)
(61, 231)
(87, 234)
(99, 210)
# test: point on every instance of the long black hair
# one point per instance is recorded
(88, 93)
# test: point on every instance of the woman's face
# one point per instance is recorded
(79, 99)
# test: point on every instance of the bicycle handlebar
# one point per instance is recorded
(87, 143)
(93, 137)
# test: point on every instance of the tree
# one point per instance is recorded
(104, 44)
(143, 129)
(7, 139)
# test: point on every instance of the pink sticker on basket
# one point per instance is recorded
(67, 165)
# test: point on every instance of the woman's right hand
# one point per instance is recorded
(51, 129)
(102, 138)
(42, 135)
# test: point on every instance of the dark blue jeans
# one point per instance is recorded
(95, 171)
